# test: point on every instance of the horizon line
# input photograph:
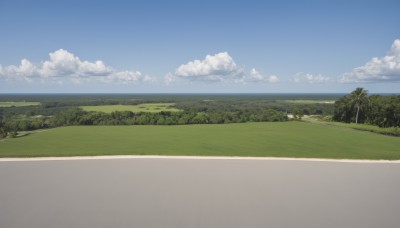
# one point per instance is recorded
(200, 93)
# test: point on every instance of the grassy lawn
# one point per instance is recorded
(365, 127)
(280, 139)
(394, 131)
(18, 104)
(148, 107)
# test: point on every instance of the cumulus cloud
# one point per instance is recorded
(384, 69)
(169, 78)
(255, 76)
(310, 78)
(126, 77)
(22, 72)
(63, 64)
(216, 67)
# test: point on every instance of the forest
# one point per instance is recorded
(359, 107)
(57, 110)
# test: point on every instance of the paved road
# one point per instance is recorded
(198, 193)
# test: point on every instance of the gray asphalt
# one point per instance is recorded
(198, 193)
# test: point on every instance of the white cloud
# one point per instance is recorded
(310, 78)
(63, 64)
(22, 72)
(255, 76)
(126, 77)
(169, 78)
(218, 67)
(382, 69)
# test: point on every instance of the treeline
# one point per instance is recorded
(63, 110)
(254, 106)
(10, 126)
(212, 104)
(77, 116)
(358, 107)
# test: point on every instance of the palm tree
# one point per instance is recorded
(359, 97)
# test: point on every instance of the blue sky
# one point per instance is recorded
(199, 46)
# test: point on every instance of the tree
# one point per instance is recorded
(359, 97)
(3, 133)
(297, 113)
(13, 133)
(343, 111)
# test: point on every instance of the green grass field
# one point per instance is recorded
(279, 139)
(365, 127)
(394, 131)
(17, 104)
(148, 107)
